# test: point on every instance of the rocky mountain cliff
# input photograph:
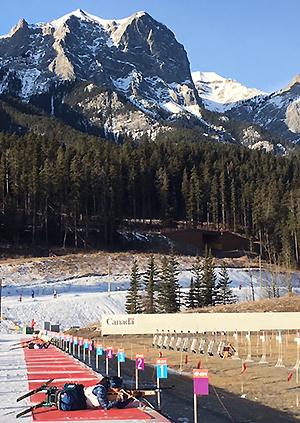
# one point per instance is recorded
(128, 76)
(138, 57)
(278, 112)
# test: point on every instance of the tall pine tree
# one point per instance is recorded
(150, 287)
(168, 286)
(133, 298)
(173, 284)
(223, 293)
(197, 273)
(208, 278)
(191, 297)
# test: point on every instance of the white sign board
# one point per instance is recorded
(197, 322)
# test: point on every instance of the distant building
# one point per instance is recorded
(218, 241)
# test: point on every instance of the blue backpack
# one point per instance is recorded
(71, 397)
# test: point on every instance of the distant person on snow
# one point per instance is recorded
(32, 324)
(32, 293)
(55, 293)
(20, 298)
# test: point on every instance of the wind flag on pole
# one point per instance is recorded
(244, 370)
(291, 375)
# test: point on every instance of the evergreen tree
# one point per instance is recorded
(223, 192)
(197, 272)
(215, 201)
(185, 189)
(233, 206)
(133, 299)
(194, 210)
(191, 297)
(163, 183)
(150, 286)
(208, 278)
(168, 287)
(223, 293)
(173, 287)
(162, 285)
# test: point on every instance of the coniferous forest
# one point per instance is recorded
(79, 193)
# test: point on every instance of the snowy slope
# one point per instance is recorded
(83, 300)
(220, 94)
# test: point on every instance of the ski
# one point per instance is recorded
(16, 348)
(34, 391)
(18, 343)
(32, 408)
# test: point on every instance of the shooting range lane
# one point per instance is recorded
(45, 364)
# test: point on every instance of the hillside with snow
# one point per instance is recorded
(90, 286)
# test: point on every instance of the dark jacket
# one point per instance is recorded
(101, 395)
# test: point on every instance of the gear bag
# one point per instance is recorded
(71, 397)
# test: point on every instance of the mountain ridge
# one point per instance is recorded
(139, 58)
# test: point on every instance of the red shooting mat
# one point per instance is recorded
(53, 366)
(54, 415)
(44, 364)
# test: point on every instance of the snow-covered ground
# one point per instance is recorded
(80, 301)
(83, 300)
(13, 380)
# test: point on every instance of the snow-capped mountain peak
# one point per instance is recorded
(140, 61)
(207, 77)
(220, 94)
(136, 56)
(87, 17)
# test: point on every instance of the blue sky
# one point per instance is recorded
(256, 42)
